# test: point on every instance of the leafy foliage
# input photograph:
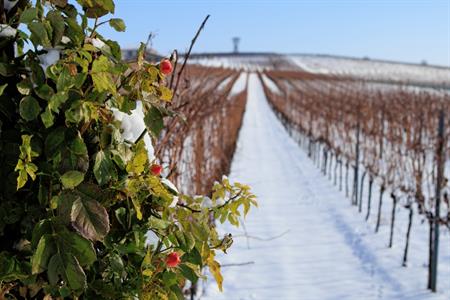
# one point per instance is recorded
(77, 200)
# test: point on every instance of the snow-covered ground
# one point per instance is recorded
(256, 62)
(240, 84)
(306, 241)
(373, 69)
(367, 69)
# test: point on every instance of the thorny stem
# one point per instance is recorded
(175, 53)
(189, 208)
(182, 68)
(189, 53)
(94, 28)
(217, 207)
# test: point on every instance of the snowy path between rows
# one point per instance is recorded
(318, 250)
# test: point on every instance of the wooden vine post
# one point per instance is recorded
(440, 161)
(355, 179)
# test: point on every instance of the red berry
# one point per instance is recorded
(173, 260)
(165, 66)
(156, 169)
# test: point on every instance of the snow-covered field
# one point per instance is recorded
(306, 241)
(257, 62)
(373, 69)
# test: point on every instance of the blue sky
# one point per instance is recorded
(402, 30)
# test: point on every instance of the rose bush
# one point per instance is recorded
(77, 200)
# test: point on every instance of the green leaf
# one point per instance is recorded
(6, 69)
(24, 87)
(78, 147)
(74, 32)
(57, 23)
(68, 268)
(65, 80)
(47, 118)
(41, 228)
(71, 179)
(62, 254)
(44, 250)
(193, 257)
(29, 108)
(45, 92)
(154, 121)
(101, 76)
(189, 273)
(97, 8)
(190, 241)
(2, 88)
(28, 15)
(54, 141)
(117, 24)
(38, 75)
(89, 218)
(39, 35)
(11, 268)
(104, 169)
(81, 248)
(169, 278)
(79, 79)
(116, 52)
(177, 293)
(60, 3)
(57, 100)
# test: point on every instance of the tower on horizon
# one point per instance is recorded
(236, 41)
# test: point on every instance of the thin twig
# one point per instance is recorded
(2, 12)
(238, 264)
(94, 28)
(189, 53)
(182, 68)
(229, 200)
(189, 208)
(149, 41)
(212, 208)
(260, 238)
(245, 233)
(174, 55)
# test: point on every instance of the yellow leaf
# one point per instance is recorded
(153, 72)
(159, 190)
(89, 47)
(21, 179)
(214, 267)
(166, 93)
(137, 164)
(147, 272)
(31, 170)
(137, 207)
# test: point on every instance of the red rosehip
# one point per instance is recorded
(156, 169)
(165, 66)
(173, 260)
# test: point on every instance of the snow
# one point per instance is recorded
(133, 125)
(373, 69)
(7, 31)
(239, 85)
(8, 4)
(255, 62)
(271, 85)
(49, 58)
(306, 241)
(224, 83)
